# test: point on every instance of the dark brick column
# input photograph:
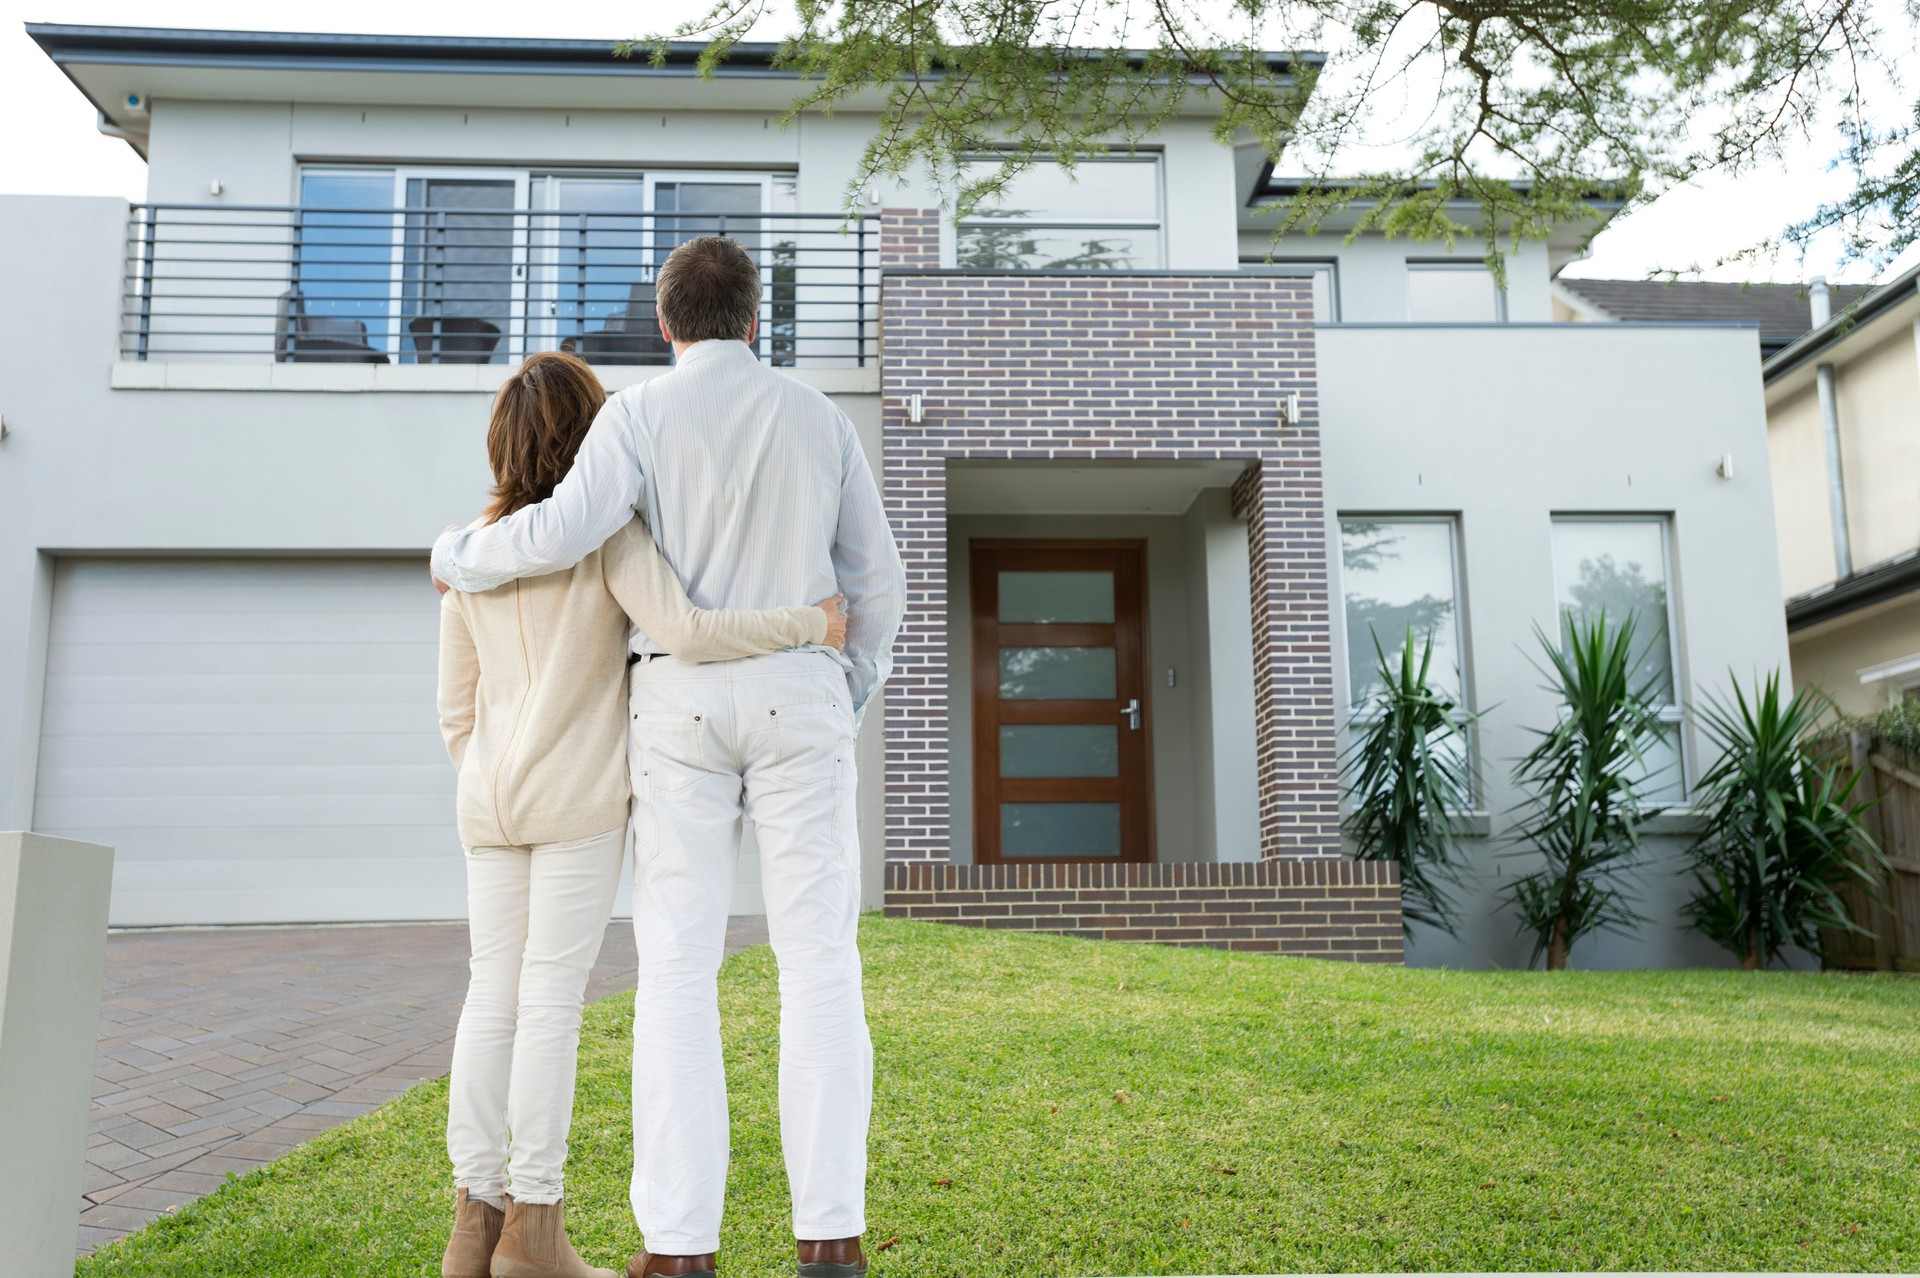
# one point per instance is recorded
(1292, 647)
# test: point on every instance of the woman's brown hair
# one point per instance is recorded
(540, 416)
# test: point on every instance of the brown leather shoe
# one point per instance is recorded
(832, 1258)
(476, 1232)
(648, 1265)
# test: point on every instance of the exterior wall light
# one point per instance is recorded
(1290, 409)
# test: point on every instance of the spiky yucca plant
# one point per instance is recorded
(1583, 815)
(1410, 774)
(1783, 836)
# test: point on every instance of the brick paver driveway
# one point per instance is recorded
(221, 1049)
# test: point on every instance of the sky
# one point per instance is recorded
(62, 154)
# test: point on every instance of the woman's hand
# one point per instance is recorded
(836, 622)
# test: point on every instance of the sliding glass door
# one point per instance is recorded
(477, 266)
(598, 242)
(463, 274)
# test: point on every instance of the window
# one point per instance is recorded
(344, 238)
(485, 264)
(1453, 293)
(1104, 216)
(1325, 276)
(1620, 565)
(1400, 573)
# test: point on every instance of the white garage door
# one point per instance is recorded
(255, 738)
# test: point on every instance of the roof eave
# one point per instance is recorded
(494, 54)
(1850, 320)
(1878, 584)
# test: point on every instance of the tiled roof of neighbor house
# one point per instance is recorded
(1781, 310)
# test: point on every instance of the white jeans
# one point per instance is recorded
(771, 738)
(537, 916)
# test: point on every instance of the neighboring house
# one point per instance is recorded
(1842, 376)
(1154, 490)
(1782, 312)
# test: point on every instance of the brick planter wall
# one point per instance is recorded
(1294, 905)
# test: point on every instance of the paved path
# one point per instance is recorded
(223, 1048)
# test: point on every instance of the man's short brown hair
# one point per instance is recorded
(708, 288)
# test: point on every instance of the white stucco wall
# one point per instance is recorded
(1372, 271)
(255, 149)
(1505, 428)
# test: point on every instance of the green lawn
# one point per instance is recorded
(1056, 1107)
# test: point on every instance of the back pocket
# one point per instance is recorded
(667, 751)
(812, 740)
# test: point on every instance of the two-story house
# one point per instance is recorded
(1156, 479)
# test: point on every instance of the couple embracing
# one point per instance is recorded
(621, 647)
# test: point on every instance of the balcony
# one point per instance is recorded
(209, 284)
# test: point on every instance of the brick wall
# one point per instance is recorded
(1295, 905)
(1146, 366)
(909, 239)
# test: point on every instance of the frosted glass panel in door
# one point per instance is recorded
(1059, 830)
(1031, 597)
(1060, 750)
(1057, 674)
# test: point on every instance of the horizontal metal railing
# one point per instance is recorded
(302, 284)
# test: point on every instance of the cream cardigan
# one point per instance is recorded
(533, 683)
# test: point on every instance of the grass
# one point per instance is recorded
(1048, 1106)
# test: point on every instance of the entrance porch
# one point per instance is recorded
(1111, 711)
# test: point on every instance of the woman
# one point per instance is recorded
(533, 708)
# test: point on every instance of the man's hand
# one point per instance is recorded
(438, 584)
(835, 608)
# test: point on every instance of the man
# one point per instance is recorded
(757, 491)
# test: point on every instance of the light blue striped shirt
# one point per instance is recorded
(756, 489)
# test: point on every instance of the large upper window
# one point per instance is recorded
(1453, 293)
(1619, 566)
(1104, 216)
(481, 265)
(1325, 277)
(1398, 573)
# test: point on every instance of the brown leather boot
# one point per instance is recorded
(476, 1231)
(533, 1244)
(833, 1258)
(648, 1265)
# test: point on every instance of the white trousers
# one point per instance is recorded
(770, 738)
(537, 916)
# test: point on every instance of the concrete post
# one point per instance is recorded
(53, 948)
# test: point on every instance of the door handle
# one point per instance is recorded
(1132, 711)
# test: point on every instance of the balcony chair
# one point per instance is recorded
(453, 339)
(630, 336)
(300, 338)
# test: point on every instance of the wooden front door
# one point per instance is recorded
(1061, 762)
